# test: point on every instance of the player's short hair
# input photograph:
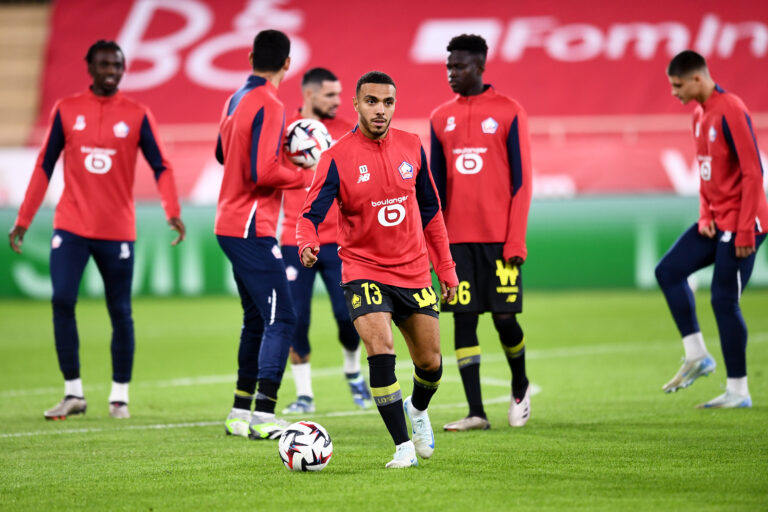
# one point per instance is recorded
(270, 49)
(685, 63)
(471, 43)
(374, 77)
(101, 44)
(317, 76)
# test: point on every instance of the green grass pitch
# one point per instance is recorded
(602, 435)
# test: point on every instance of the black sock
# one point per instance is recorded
(387, 395)
(425, 385)
(244, 392)
(266, 398)
(513, 342)
(468, 359)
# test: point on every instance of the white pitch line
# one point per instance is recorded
(164, 426)
(554, 353)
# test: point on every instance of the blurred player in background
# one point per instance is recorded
(733, 219)
(480, 158)
(390, 227)
(100, 132)
(250, 148)
(322, 96)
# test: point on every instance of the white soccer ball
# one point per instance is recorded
(305, 141)
(305, 446)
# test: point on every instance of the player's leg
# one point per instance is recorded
(115, 263)
(300, 281)
(465, 307)
(68, 257)
(729, 279)
(513, 342)
(330, 271)
(259, 265)
(691, 252)
(370, 307)
(239, 418)
(422, 335)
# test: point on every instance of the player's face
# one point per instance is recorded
(685, 88)
(325, 99)
(106, 69)
(375, 105)
(465, 72)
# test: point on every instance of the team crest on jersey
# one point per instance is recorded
(712, 134)
(450, 124)
(79, 123)
(406, 170)
(121, 130)
(489, 125)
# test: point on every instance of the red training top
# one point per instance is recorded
(390, 224)
(100, 136)
(731, 175)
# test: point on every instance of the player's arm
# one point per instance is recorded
(738, 133)
(435, 233)
(154, 154)
(41, 177)
(521, 176)
(437, 165)
(322, 193)
(267, 130)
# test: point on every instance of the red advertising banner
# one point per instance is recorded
(590, 74)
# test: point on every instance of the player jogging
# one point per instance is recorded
(100, 132)
(322, 96)
(733, 219)
(481, 161)
(250, 148)
(390, 227)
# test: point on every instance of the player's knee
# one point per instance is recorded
(348, 335)
(63, 306)
(723, 303)
(465, 329)
(508, 328)
(665, 273)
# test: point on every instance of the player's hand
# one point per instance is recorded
(309, 256)
(744, 252)
(709, 230)
(16, 238)
(177, 225)
(447, 292)
(516, 260)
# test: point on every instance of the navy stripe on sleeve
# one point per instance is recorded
(438, 164)
(754, 140)
(54, 146)
(280, 139)
(425, 194)
(729, 137)
(219, 151)
(256, 126)
(325, 197)
(514, 157)
(150, 149)
(252, 82)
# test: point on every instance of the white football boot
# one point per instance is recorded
(728, 400)
(423, 437)
(689, 372)
(405, 456)
(520, 410)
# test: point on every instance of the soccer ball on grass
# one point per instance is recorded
(305, 140)
(305, 446)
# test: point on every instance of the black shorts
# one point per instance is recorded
(364, 296)
(486, 281)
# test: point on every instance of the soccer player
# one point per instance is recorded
(322, 96)
(250, 148)
(100, 132)
(733, 219)
(480, 158)
(390, 227)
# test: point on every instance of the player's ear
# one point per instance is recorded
(354, 103)
(287, 63)
(250, 59)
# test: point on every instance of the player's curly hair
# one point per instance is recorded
(374, 77)
(685, 63)
(270, 49)
(471, 43)
(101, 44)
